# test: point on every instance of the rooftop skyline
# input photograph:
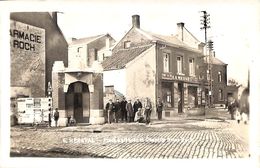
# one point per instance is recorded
(230, 33)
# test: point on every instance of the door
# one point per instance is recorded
(180, 100)
(78, 102)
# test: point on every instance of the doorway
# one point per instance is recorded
(78, 102)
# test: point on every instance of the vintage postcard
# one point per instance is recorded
(128, 80)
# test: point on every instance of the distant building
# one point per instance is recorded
(78, 88)
(219, 81)
(95, 48)
(36, 42)
(144, 64)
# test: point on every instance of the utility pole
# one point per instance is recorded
(210, 47)
(205, 21)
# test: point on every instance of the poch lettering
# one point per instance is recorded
(23, 45)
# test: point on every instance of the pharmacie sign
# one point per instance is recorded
(27, 49)
(26, 37)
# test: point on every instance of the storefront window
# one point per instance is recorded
(167, 94)
(192, 96)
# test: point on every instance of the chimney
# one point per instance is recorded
(180, 30)
(54, 17)
(69, 40)
(107, 42)
(136, 21)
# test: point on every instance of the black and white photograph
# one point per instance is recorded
(130, 80)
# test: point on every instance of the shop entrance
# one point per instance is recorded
(77, 102)
(180, 100)
(192, 96)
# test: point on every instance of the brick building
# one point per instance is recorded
(144, 64)
(218, 72)
(36, 42)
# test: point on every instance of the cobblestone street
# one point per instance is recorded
(182, 138)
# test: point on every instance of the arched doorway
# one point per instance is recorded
(78, 102)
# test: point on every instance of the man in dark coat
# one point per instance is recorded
(159, 108)
(49, 119)
(137, 105)
(56, 116)
(110, 108)
(117, 110)
(123, 110)
(130, 111)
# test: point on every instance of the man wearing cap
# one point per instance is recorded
(159, 108)
(56, 116)
(109, 108)
(117, 110)
(123, 110)
(147, 110)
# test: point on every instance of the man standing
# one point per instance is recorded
(49, 119)
(109, 108)
(123, 110)
(117, 110)
(148, 110)
(159, 108)
(130, 111)
(137, 105)
(56, 116)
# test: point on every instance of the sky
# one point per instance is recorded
(231, 24)
(234, 23)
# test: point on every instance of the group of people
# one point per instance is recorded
(128, 112)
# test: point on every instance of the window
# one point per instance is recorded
(220, 76)
(167, 94)
(179, 64)
(93, 54)
(208, 74)
(166, 62)
(191, 67)
(220, 94)
(127, 44)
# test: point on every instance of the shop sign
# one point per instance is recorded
(169, 76)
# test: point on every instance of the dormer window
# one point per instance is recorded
(127, 44)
